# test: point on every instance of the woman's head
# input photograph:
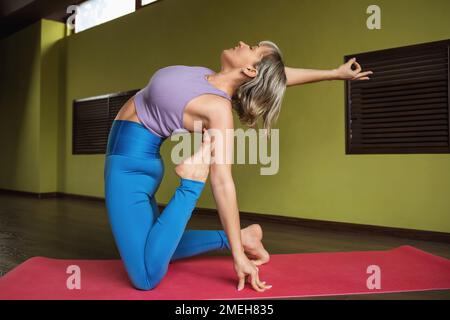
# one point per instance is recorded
(261, 69)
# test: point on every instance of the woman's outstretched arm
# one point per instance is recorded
(297, 76)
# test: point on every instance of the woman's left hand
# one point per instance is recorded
(345, 72)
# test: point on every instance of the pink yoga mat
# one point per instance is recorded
(292, 275)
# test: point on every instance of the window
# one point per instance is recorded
(145, 2)
(404, 107)
(92, 120)
(94, 12)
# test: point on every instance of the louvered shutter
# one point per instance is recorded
(92, 120)
(404, 107)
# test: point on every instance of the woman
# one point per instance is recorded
(252, 81)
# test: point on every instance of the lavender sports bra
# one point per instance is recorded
(160, 105)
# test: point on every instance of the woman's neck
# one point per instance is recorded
(228, 82)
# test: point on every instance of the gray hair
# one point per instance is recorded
(262, 96)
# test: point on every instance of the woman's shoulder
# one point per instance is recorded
(215, 101)
(215, 107)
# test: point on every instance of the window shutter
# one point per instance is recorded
(404, 107)
(116, 101)
(92, 120)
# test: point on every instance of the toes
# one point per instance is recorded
(257, 262)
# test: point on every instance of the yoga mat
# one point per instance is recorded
(292, 275)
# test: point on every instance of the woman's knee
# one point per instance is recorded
(142, 284)
(145, 282)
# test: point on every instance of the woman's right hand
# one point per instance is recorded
(244, 267)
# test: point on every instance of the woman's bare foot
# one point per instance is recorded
(196, 167)
(251, 240)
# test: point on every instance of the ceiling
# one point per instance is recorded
(17, 14)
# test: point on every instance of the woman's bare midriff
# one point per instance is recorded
(128, 112)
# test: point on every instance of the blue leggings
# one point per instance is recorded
(148, 240)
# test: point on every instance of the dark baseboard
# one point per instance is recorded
(261, 218)
(29, 194)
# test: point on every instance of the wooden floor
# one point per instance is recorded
(78, 229)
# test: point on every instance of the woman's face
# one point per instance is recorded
(242, 56)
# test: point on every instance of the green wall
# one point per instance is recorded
(316, 180)
(52, 98)
(30, 73)
(19, 101)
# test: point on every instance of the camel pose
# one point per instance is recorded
(252, 81)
